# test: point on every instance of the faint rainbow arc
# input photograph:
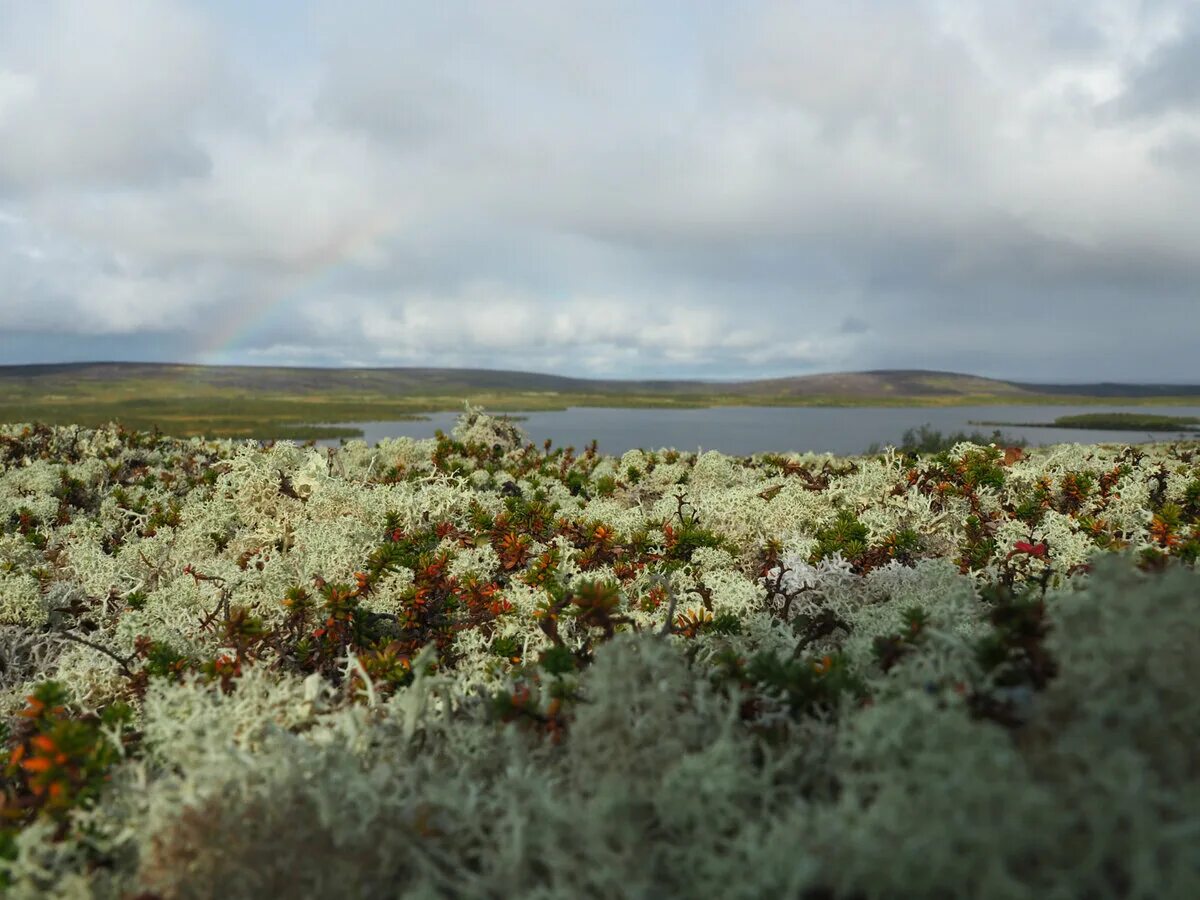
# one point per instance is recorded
(312, 266)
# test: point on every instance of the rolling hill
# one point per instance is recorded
(289, 402)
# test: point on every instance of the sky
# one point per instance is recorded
(681, 188)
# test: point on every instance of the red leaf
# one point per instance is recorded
(1038, 550)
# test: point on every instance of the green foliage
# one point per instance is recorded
(687, 539)
(401, 551)
(27, 524)
(576, 482)
(506, 647)
(1191, 501)
(808, 686)
(977, 547)
(557, 660)
(162, 660)
(726, 623)
(1031, 511)
(981, 468)
(926, 440)
(1115, 421)
(72, 493)
(904, 545)
(847, 535)
(54, 763)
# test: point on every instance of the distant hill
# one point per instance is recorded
(881, 383)
(277, 402)
(1114, 389)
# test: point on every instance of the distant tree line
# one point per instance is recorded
(927, 440)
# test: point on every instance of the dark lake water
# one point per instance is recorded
(743, 430)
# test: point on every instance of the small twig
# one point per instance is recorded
(825, 624)
(189, 569)
(287, 489)
(669, 624)
(221, 607)
(681, 502)
(155, 571)
(123, 663)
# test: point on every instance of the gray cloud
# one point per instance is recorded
(854, 325)
(1179, 152)
(1167, 81)
(609, 189)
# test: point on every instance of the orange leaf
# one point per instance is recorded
(33, 708)
(44, 742)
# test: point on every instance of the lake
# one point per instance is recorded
(743, 430)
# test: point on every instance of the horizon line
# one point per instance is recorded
(317, 368)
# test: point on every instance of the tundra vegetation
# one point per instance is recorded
(926, 439)
(473, 666)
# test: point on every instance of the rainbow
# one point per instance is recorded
(310, 273)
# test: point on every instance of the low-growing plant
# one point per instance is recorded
(53, 762)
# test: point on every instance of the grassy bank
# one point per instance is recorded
(1111, 421)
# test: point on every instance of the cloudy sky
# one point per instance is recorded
(627, 189)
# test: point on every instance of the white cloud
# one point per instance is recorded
(95, 93)
(287, 200)
(483, 323)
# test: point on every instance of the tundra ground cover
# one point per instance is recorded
(1113, 421)
(473, 667)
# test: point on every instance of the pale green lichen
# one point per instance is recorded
(284, 785)
(21, 600)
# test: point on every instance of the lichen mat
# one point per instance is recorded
(479, 667)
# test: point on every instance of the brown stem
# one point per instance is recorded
(123, 663)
